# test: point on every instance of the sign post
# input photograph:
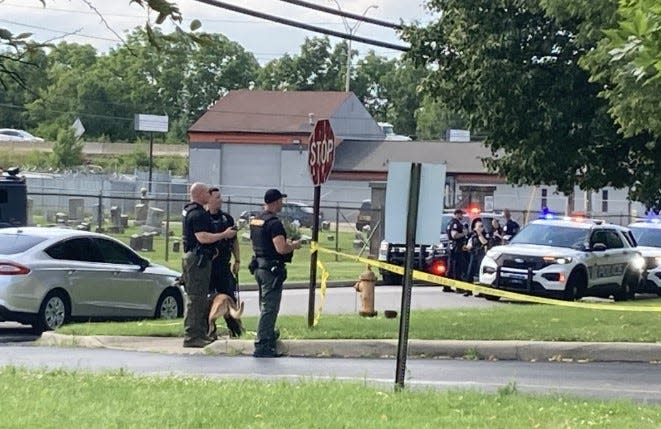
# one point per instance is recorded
(151, 123)
(321, 155)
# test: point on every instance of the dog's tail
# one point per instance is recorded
(235, 311)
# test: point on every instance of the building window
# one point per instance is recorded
(545, 202)
(604, 201)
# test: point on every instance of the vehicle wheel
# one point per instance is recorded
(575, 287)
(54, 312)
(490, 297)
(391, 278)
(628, 288)
(170, 305)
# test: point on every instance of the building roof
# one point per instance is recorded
(269, 112)
(375, 155)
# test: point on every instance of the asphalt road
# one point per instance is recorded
(633, 381)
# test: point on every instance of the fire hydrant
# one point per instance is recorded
(365, 285)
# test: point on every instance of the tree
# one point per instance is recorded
(512, 70)
(22, 44)
(432, 120)
(67, 150)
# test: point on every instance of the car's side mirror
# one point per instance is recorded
(143, 264)
(598, 247)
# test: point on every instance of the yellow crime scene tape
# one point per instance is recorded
(443, 281)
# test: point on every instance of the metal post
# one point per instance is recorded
(167, 223)
(337, 231)
(411, 224)
(99, 213)
(151, 157)
(347, 78)
(313, 256)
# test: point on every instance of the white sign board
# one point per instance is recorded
(154, 123)
(430, 202)
(78, 128)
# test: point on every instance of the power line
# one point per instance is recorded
(344, 14)
(308, 27)
(36, 27)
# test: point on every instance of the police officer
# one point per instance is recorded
(511, 227)
(197, 235)
(272, 250)
(457, 235)
(223, 278)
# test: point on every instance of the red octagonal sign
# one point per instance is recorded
(321, 152)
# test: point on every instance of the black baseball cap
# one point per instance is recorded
(273, 195)
(459, 211)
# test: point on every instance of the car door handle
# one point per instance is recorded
(71, 272)
(115, 273)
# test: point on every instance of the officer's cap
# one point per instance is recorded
(459, 211)
(273, 195)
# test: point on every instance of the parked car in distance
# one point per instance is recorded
(365, 214)
(291, 211)
(50, 276)
(10, 134)
(303, 213)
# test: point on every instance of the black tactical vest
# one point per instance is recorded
(262, 243)
(187, 235)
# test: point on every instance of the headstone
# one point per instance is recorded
(76, 208)
(116, 220)
(141, 213)
(61, 218)
(125, 220)
(135, 242)
(148, 241)
(325, 225)
(175, 246)
(154, 221)
(84, 226)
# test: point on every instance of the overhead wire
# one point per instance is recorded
(292, 23)
(344, 14)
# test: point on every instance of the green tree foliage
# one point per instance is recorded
(29, 70)
(67, 150)
(625, 62)
(433, 120)
(513, 71)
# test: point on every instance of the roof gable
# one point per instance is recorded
(269, 111)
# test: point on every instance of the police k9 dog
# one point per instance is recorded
(224, 306)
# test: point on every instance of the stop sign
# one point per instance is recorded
(321, 152)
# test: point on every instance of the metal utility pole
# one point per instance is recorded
(351, 30)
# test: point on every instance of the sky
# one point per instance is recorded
(74, 21)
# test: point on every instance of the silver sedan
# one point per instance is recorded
(49, 276)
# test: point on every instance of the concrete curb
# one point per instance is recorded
(430, 349)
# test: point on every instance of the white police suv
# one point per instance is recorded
(566, 258)
(648, 236)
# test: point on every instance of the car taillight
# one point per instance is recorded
(12, 269)
(437, 268)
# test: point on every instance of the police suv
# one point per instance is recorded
(566, 258)
(648, 236)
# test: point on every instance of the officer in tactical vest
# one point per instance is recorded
(457, 235)
(272, 250)
(223, 277)
(198, 238)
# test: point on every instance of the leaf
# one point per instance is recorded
(195, 24)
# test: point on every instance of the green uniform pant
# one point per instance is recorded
(196, 282)
(270, 288)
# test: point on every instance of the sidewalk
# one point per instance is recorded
(532, 351)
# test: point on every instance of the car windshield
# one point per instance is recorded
(11, 244)
(552, 235)
(647, 236)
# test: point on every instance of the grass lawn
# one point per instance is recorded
(503, 322)
(56, 399)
